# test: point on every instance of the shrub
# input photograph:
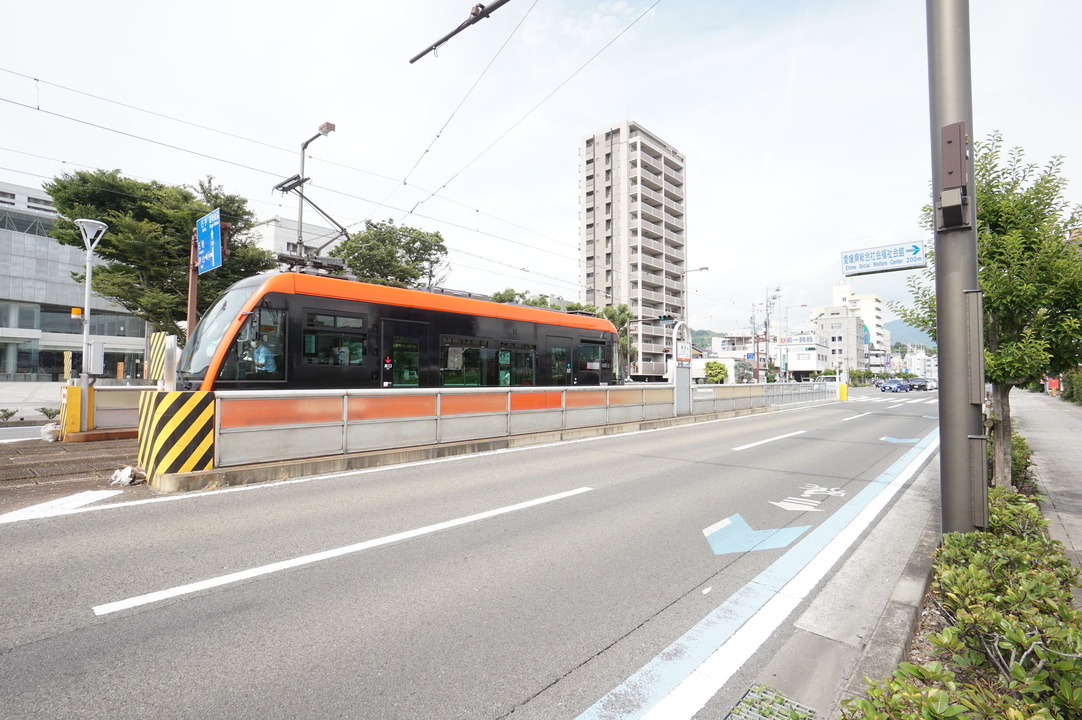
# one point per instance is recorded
(48, 412)
(5, 414)
(1014, 646)
(1072, 386)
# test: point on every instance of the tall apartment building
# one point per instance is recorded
(632, 242)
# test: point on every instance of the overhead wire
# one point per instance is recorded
(539, 104)
(412, 211)
(439, 133)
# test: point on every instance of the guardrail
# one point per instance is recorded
(182, 432)
(271, 426)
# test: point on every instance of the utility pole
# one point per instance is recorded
(959, 311)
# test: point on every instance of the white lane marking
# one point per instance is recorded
(59, 506)
(689, 696)
(895, 406)
(172, 592)
(855, 417)
(764, 442)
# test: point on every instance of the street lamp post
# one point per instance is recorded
(325, 129)
(686, 313)
(767, 307)
(92, 232)
(788, 373)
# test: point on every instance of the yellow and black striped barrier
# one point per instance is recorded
(156, 362)
(176, 432)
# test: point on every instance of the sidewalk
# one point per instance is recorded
(1053, 429)
(26, 397)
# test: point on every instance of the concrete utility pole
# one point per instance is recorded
(959, 312)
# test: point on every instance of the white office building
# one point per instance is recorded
(632, 242)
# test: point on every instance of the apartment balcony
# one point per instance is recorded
(673, 175)
(674, 239)
(673, 192)
(675, 254)
(653, 197)
(648, 179)
(649, 212)
(650, 229)
(648, 244)
(645, 160)
(651, 262)
(650, 282)
(637, 295)
(674, 223)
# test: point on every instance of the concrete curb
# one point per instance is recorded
(290, 469)
(892, 638)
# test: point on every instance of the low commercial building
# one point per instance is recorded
(37, 294)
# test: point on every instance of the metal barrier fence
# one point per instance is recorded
(251, 427)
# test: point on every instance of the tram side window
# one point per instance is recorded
(593, 359)
(518, 364)
(467, 362)
(257, 351)
(334, 340)
(470, 362)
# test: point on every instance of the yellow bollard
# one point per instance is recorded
(843, 392)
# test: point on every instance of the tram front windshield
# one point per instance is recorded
(208, 335)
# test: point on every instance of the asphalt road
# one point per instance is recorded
(546, 582)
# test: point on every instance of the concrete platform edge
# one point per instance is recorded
(291, 469)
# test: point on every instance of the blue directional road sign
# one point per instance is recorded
(208, 238)
(734, 535)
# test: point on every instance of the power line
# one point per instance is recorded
(539, 104)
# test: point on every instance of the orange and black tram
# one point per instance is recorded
(298, 331)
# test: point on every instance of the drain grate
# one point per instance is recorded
(762, 702)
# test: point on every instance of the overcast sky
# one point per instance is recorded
(805, 124)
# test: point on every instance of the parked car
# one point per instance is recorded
(918, 383)
(895, 385)
(933, 383)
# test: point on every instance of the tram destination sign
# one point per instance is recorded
(885, 258)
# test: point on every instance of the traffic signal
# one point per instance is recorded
(666, 318)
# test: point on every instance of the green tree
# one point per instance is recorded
(1030, 270)
(716, 372)
(620, 316)
(510, 295)
(384, 254)
(702, 338)
(147, 248)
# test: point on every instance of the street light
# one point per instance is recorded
(92, 232)
(686, 313)
(325, 129)
(788, 375)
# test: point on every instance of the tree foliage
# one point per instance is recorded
(403, 256)
(715, 372)
(1030, 270)
(620, 316)
(147, 247)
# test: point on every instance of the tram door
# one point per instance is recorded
(559, 349)
(404, 346)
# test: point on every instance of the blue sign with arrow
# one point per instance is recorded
(208, 237)
(734, 535)
(885, 258)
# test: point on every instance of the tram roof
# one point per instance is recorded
(343, 289)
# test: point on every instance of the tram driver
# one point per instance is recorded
(262, 357)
